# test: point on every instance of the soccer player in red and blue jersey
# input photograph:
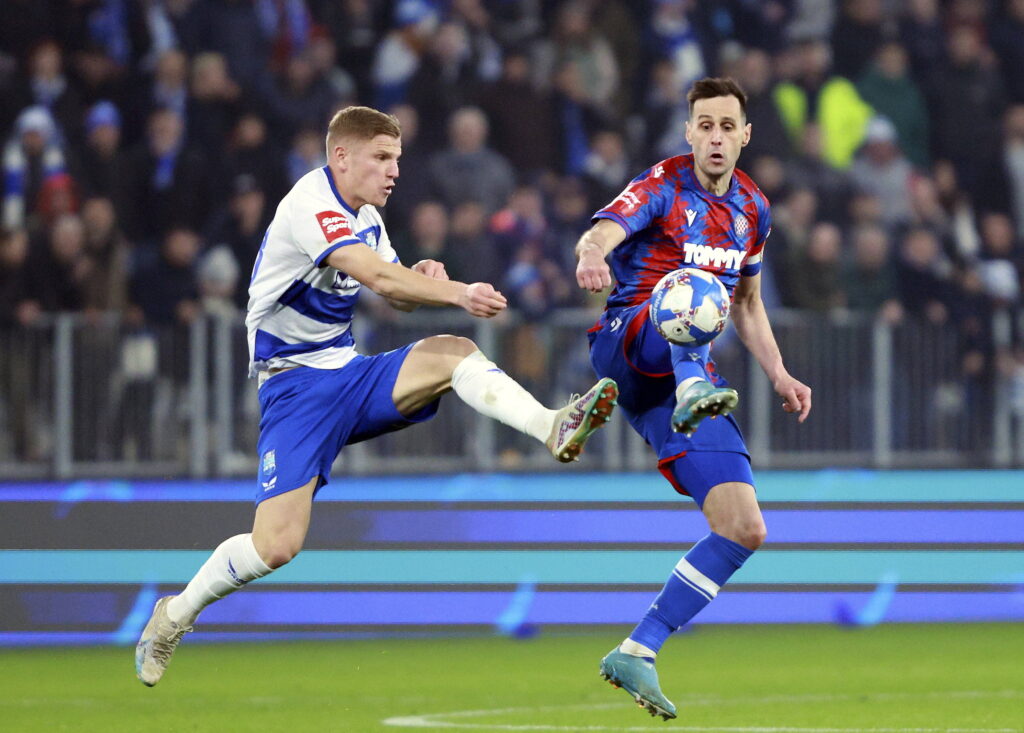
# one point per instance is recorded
(698, 211)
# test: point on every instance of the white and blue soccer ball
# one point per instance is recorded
(689, 307)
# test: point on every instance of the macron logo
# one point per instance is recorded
(690, 214)
(704, 256)
(334, 225)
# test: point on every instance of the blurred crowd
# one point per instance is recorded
(147, 142)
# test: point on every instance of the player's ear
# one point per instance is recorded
(746, 134)
(688, 141)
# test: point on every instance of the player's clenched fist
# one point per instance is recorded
(431, 268)
(482, 300)
(592, 272)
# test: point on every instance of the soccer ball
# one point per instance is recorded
(689, 307)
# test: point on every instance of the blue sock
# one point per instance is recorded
(689, 361)
(694, 584)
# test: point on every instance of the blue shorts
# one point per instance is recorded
(308, 415)
(625, 346)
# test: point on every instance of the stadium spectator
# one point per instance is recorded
(522, 127)
(164, 289)
(399, 53)
(574, 39)
(356, 27)
(165, 181)
(46, 85)
(868, 279)
(881, 168)
(925, 276)
(1008, 44)
(470, 238)
(239, 227)
(754, 74)
(1002, 259)
(106, 253)
(415, 185)
(664, 114)
(888, 87)
(922, 34)
(807, 168)
(98, 160)
(607, 167)
(214, 100)
(857, 35)
(1002, 186)
(468, 169)
(444, 82)
(57, 268)
(813, 282)
(818, 95)
(305, 154)
(32, 155)
(251, 150)
(298, 97)
(965, 93)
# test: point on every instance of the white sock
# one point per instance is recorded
(233, 564)
(685, 385)
(487, 389)
(636, 649)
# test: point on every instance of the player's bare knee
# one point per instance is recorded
(751, 534)
(278, 551)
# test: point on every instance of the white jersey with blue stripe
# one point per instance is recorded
(300, 309)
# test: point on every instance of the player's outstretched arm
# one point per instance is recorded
(755, 331)
(592, 272)
(395, 282)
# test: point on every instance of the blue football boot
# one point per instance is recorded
(638, 677)
(701, 400)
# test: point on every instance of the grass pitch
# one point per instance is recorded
(765, 679)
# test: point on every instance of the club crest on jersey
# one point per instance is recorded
(334, 225)
(269, 462)
(740, 224)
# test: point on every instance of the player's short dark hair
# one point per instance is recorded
(711, 87)
(362, 123)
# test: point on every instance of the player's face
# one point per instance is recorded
(717, 131)
(370, 169)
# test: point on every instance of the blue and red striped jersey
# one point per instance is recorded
(673, 221)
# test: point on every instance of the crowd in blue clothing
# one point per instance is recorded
(147, 142)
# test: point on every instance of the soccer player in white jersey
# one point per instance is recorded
(317, 393)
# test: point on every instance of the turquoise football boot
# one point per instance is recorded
(701, 400)
(638, 677)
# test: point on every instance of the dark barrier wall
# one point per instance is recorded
(83, 562)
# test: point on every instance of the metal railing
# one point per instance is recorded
(82, 397)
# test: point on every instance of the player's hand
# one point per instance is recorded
(430, 268)
(592, 272)
(796, 396)
(482, 300)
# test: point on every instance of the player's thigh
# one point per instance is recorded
(732, 511)
(282, 522)
(426, 373)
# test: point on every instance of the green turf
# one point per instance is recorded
(911, 679)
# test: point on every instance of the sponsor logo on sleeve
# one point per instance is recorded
(335, 225)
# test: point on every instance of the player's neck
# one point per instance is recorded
(716, 186)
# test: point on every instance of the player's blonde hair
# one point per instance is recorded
(361, 123)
